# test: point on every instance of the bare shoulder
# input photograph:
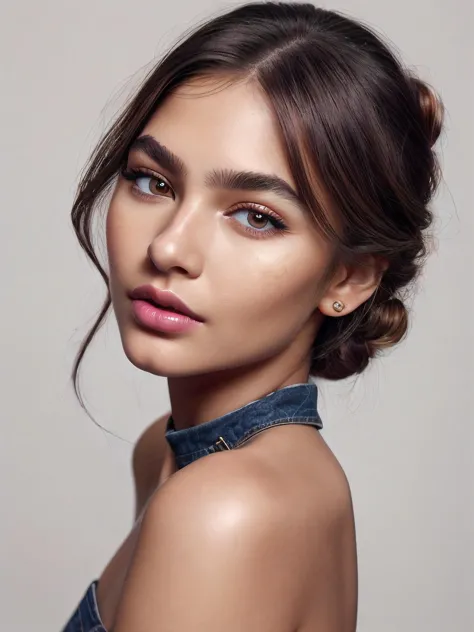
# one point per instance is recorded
(287, 493)
(217, 481)
(237, 536)
(275, 479)
(217, 530)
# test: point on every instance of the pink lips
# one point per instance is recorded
(149, 309)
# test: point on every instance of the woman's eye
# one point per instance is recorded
(151, 185)
(258, 222)
(147, 184)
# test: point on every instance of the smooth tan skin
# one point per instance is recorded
(260, 538)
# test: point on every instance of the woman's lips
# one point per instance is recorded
(163, 299)
(160, 319)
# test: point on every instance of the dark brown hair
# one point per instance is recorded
(352, 118)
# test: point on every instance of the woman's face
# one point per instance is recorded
(255, 280)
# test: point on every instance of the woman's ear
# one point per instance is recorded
(352, 284)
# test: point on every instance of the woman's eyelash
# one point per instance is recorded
(279, 226)
(132, 173)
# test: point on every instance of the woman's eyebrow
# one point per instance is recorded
(218, 178)
(160, 154)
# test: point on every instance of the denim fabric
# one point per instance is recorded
(291, 404)
(294, 404)
(86, 617)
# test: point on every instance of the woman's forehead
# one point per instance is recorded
(230, 123)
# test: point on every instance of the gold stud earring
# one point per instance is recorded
(338, 306)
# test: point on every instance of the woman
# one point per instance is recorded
(269, 185)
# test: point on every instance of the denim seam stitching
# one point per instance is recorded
(275, 421)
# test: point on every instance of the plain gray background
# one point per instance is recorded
(402, 431)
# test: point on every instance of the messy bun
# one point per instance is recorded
(354, 342)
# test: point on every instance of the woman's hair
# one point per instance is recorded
(358, 130)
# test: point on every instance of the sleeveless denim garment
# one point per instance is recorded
(294, 404)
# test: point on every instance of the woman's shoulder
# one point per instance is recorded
(280, 502)
(288, 463)
(288, 476)
(216, 529)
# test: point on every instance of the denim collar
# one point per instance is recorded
(296, 403)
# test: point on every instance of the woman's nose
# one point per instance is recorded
(181, 244)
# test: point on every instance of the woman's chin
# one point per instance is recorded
(144, 358)
(153, 355)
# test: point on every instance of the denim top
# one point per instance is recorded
(295, 404)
